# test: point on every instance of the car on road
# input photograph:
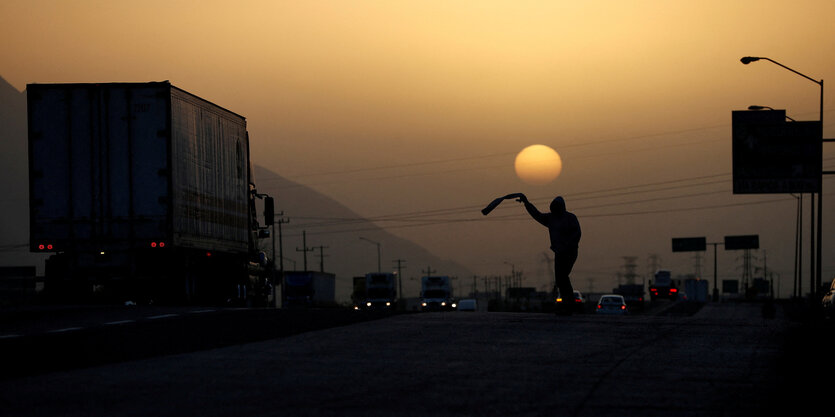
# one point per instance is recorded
(828, 303)
(611, 304)
(468, 304)
(578, 304)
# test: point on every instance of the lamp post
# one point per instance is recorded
(715, 271)
(379, 267)
(816, 250)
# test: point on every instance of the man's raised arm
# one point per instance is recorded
(533, 211)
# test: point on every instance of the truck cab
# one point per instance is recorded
(436, 294)
(381, 292)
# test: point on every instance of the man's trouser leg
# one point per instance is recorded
(563, 263)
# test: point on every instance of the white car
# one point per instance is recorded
(468, 304)
(611, 304)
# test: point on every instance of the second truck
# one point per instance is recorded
(375, 291)
(436, 294)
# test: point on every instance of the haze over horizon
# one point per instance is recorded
(411, 113)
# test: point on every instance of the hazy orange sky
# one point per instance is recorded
(395, 107)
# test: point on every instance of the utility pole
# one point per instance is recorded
(322, 258)
(765, 273)
(281, 220)
(512, 281)
(304, 249)
(798, 249)
(400, 267)
(428, 271)
(715, 268)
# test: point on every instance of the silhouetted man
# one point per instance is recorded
(564, 230)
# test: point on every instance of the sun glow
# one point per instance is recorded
(538, 165)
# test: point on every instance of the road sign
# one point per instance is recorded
(742, 242)
(730, 286)
(689, 244)
(771, 155)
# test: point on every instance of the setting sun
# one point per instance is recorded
(538, 165)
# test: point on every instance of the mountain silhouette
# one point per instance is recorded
(330, 224)
(345, 254)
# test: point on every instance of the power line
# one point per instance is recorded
(521, 217)
(430, 216)
(503, 154)
(422, 215)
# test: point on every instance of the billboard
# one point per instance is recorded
(742, 242)
(689, 244)
(771, 155)
(730, 286)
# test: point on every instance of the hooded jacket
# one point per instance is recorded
(563, 227)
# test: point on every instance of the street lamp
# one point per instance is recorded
(379, 267)
(816, 266)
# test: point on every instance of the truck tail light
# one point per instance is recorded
(157, 244)
(45, 246)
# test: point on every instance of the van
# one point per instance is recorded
(468, 304)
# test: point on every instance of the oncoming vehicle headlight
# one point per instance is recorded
(388, 303)
(368, 304)
(423, 304)
(443, 303)
(454, 305)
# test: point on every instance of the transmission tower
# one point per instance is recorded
(629, 266)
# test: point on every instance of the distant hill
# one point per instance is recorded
(346, 255)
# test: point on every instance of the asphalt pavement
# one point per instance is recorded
(726, 360)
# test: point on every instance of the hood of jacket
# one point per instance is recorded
(558, 205)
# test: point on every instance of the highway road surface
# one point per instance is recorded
(725, 360)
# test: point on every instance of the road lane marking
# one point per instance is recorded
(65, 329)
(161, 316)
(202, 311)
(8, 336)
(111, 323)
